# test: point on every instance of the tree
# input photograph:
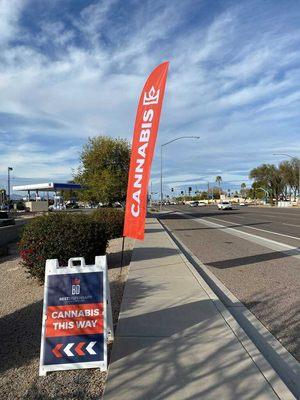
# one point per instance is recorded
(269, 177)
(69, 194)
(215, 192)
(255, 191)
(218, 181)
(2, 196)
(289, 171)
(243, 189)
(103, 169)
(204, 195)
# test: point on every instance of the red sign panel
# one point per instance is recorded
(72, 320)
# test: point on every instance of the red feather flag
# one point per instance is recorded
(143, 145)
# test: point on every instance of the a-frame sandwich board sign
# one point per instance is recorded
(77, 318)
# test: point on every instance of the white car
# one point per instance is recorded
(193, 204)
(201, 204)
(225, 205)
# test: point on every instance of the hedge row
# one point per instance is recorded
(66, 235)
(113, 218)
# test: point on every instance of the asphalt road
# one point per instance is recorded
(255, 252)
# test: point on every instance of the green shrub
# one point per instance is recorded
(20, 206)
(113, 218)
(61, 236)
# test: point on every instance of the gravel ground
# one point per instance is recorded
(21, 302)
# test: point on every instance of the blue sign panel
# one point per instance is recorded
(74, 320)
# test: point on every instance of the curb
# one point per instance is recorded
(278, 366)
(10, 233)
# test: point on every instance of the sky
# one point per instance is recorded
(73, 69)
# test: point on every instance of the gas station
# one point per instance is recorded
(36, 204)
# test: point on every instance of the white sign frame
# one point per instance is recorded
(53, 268)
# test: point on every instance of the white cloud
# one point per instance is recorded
(31, 161)
(221, 85)
(9, 14)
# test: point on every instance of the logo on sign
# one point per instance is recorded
(75, 286)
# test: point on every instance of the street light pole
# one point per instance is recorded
(8, 181)
(267, 194)
(292, 157)
(161, 163)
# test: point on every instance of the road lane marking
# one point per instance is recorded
(283, 223)
(257, 219)
(273, 214)
(258, 229)
(269, 243)
(265, 222)
(258, 215)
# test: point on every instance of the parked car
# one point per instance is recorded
(225, 205)
(72, 205)
(243, 203)
(201, 204)
(193, 204)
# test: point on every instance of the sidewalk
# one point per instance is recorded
(171, 340)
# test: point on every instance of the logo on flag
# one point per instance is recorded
(151, 97)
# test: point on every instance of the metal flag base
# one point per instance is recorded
(122, 253)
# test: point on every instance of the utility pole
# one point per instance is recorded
(8, 182)
(2, 196)
(266, 193)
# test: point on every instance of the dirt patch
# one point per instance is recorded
(21, 303)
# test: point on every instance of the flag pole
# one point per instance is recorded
(122, 253)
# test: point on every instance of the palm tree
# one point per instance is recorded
(218, 181)
(243, 187)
